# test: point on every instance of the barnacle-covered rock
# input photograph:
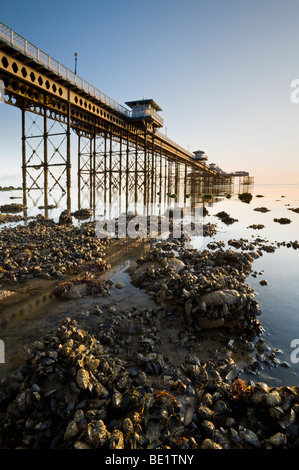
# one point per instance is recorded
(97, 434)
(209, 287)
(116, 440)
(82, 378)
(81, 287)
(210, 444)
(47, 249)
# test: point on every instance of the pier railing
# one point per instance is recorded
(16, 41)
(172, 142)
(140, 113)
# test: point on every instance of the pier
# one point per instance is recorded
(117, 145)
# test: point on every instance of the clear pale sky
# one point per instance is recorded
(221, 70)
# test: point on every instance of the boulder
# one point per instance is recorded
(176, 264)
(219, 297)
(77, 291)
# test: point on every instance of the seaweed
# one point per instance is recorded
(237, 389)
(207, 197)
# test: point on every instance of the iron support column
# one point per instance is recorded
(68, 159)
(176, 178)
(110, 171)
(46, 168)
(136, 171)
(185, 183)
(105, 170)
(24, 169)
(120, 166)
(160, 179)
(153, 176)
(127, 172)
(145, 167)
(79, 172)
(93, 171)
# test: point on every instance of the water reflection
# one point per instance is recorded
(165, 188)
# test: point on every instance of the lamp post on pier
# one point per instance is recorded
(76, 55)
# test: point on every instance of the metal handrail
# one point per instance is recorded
(44, 59)
(163, 136)
(139, 113)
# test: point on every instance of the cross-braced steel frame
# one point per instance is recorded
(46, 157)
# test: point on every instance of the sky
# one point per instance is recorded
(220, 70)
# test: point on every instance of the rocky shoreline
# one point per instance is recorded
(75, 392)
(47, 249)
(208, 286)
(123, 384)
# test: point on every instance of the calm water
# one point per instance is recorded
(279, 300)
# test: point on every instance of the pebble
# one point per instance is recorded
(261, 209)
(119, 285)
